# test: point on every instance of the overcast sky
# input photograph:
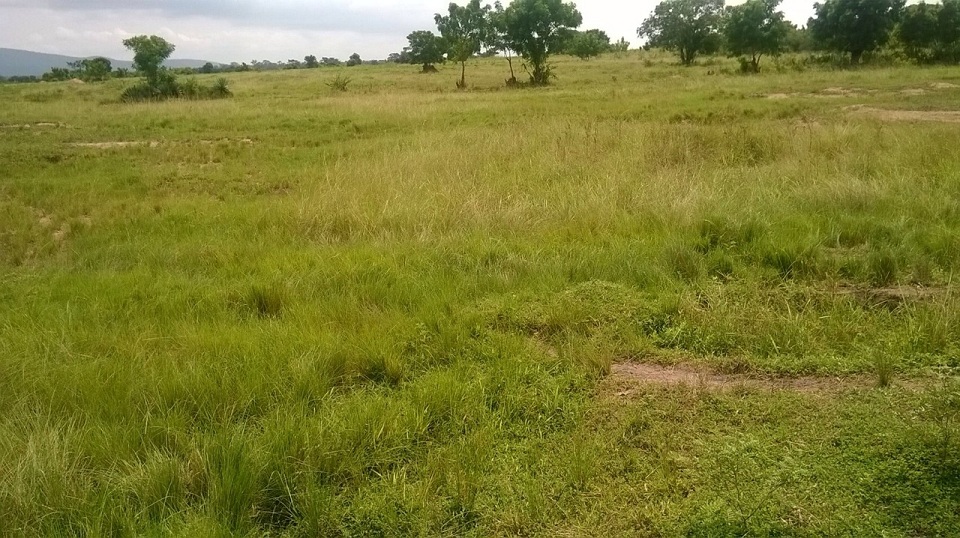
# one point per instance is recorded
(243, 30)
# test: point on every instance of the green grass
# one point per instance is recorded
(391, 310)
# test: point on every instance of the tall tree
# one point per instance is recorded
(854, 26)
(536, 29)
(756, 28)
(917, 31)
(498, 39)
(948, 31)
(465, 29)
(689, 27)
(149, 53)
(354, 60)
(426, 48)
(588, 44)
(311, 61)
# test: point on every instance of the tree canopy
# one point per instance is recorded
(689, 27)
(587, 44)
(535, 29)
(149, 53)
(465, 30)
(931, 32)
(426, 48)
(854, 26)
(756, 28)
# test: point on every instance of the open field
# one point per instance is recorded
(647, 300)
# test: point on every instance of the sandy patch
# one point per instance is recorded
(630, 378)
(943, 86)
(156, 143)
(838, 92)
(941, 116)
(893, 296)
(913, 91)
(116, 144)
(38, 125)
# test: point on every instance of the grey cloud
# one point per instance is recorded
(297, 14)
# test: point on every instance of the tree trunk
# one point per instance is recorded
(855, 56)
(463, 76)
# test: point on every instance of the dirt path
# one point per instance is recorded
(629, 378)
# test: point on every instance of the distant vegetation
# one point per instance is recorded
(149, 53)
(854, 31)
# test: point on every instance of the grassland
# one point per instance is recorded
(404, 310)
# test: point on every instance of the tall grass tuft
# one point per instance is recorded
(263, 301)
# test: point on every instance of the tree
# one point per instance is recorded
(354, 60)
(621, 46)
(690, 27)
(536, 29)
(465, 29)
(149, 53)
(498, 40)
(798, 39)
(931, 32)
(426, 48)
(854, 26)
(755, 28)
(586, 45)
(311, 62)
(918, 31)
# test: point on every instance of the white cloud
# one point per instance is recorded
(242, 30)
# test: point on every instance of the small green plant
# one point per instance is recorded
(885, 367)
(684, 261)
(340, 83)
(944, 410)
(883, 268)
(220, 89)
(263, 301)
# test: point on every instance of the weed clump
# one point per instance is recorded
(262, 301)
(340, 83)
(683, 261)
(167, 87)
(883, 268)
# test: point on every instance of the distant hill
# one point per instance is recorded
(14, 62)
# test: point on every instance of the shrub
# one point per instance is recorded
(339, 83)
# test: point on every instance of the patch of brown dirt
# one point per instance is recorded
(942, 116)
(943, 86)
(38, 125)
(117, 144)
(913, 91)
(838, 92)
(893, 296)
(628, 378)
(156, 143)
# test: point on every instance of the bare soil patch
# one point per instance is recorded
(628, 378)
(114, 144)
(942, 116)
(38, 125)
(893, 296)
(155, 143)
(943, 86)
(839, 92)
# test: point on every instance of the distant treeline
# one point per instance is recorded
(851, 32)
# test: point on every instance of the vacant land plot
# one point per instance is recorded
(646, 300)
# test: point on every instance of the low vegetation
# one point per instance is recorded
(406, 309)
